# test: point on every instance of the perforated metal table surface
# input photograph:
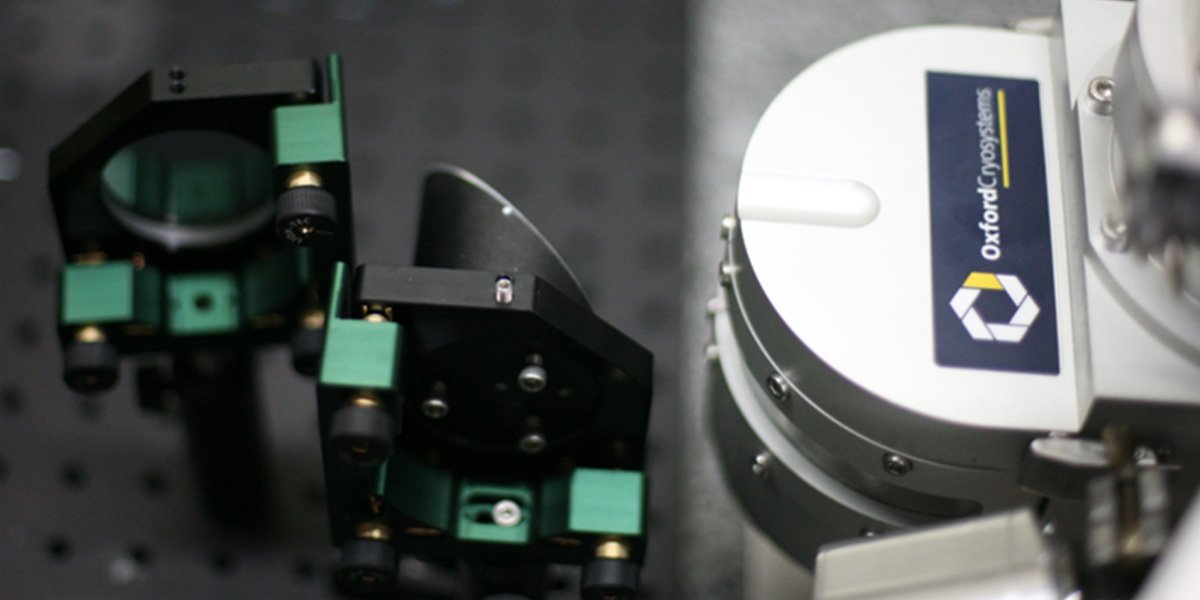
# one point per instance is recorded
(573, 110)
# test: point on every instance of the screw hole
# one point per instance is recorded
(221, 561)
(303, 568)
(203, 302)
(75, 476)
(90, 408)
(12, 401)
(177, 86)
(27, 333)
(314, 496)
(58, 548)
(141, 554)
(155, 483)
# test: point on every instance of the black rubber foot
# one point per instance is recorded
(307, 345)
(362, 436)
(90, 367)
(367, 568)
(609, 579)
(304, 215)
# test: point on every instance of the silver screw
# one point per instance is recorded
(504, 290)
(728, 224)
(1115, 232)
(532, 378)
(867, 532)
(1100, 95)
(761, 465)
(896, 465)
(532, 443)
(711, 353)
(725, 273)
(714, 305)
(435, 408)
(506, 513)
(778, 388)
(1144, 457)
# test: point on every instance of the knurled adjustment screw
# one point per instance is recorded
(367, 567)
(610, 578)
(362, 434)
(90, 362)
(304, 214)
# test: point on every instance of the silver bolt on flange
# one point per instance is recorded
(714, 305)
(1115, 232)
(728, 224)
(1100, 93)
(896, 465)
(725, 273)
(761, 465)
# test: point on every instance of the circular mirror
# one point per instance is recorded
(189, 188)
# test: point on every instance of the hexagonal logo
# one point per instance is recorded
(978, 283)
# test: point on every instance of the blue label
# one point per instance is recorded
(993, 272)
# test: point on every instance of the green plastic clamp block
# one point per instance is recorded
(361, 354)
(594, 502)
(420, 491)
(311, 134)
(111, 292)
(358, 354)
(476, 501)
(203, 303)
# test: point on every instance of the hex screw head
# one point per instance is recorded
(896, 465)
(778, 388)
(435, 408)
(503, 290)
(532, 378)
(506, 513)
(532, 443)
